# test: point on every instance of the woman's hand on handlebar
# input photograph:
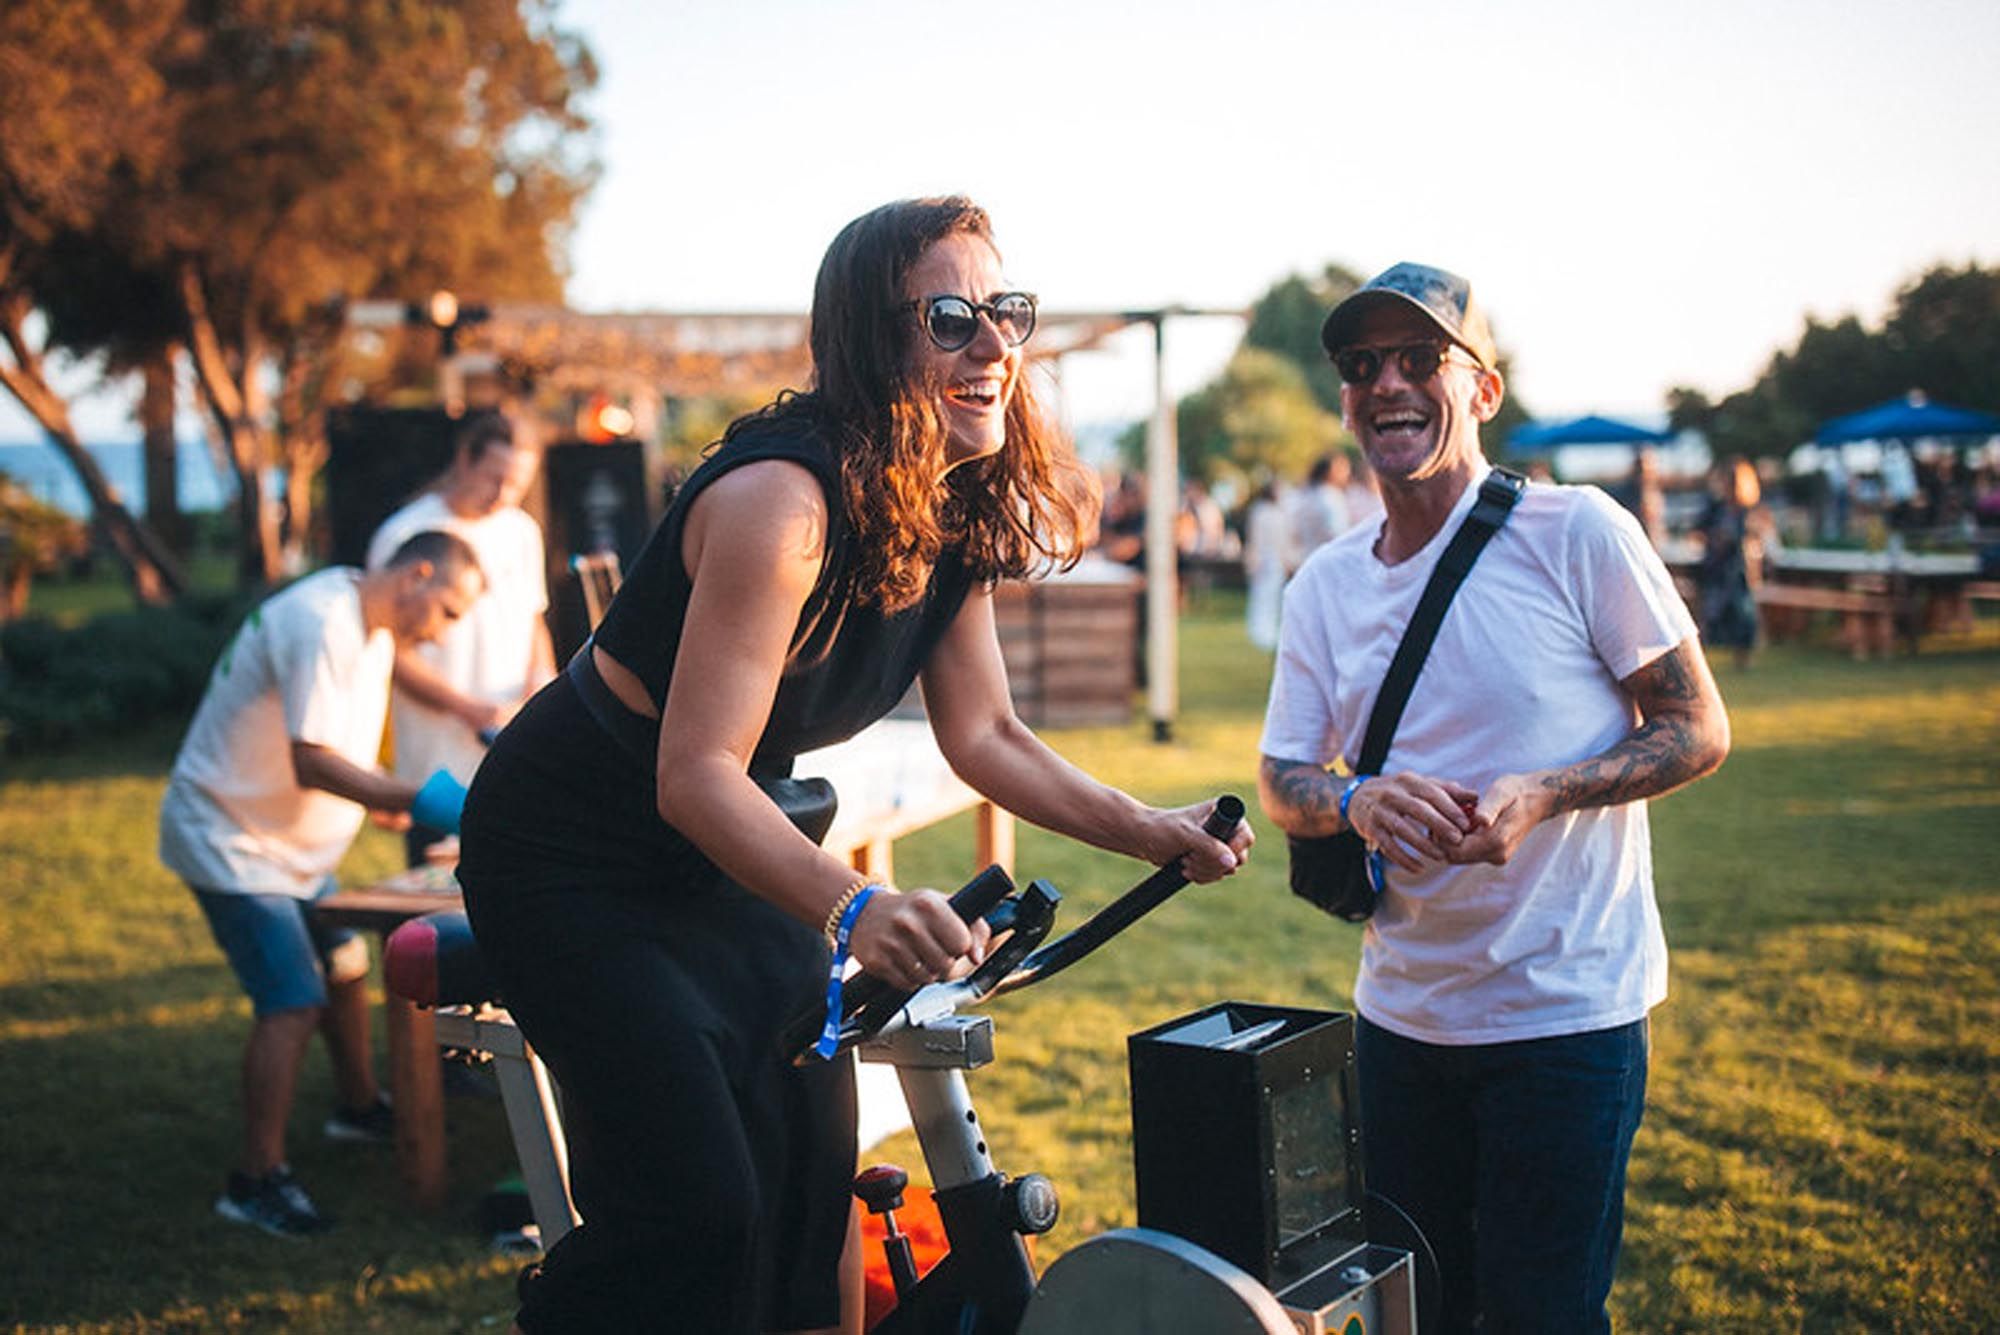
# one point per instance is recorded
(1179, 837)
(910, 939)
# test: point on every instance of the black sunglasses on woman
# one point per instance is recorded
(953, 321)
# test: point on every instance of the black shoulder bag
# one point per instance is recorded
(1331, 871)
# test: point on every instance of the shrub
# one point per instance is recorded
(121, 670)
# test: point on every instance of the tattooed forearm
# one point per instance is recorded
(1684, 735)
(1299, 796)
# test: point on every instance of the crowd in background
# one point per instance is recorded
(1724, 524)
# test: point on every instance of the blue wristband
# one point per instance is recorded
(1378, 867)
(829, 1034)
(1347, 794)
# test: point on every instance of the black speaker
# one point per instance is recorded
(1245, 1136)
(597, 500)
(378, 458)
(596, 503)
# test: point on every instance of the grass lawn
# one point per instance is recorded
(1819, 1151)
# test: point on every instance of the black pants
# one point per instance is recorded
(712, 1175)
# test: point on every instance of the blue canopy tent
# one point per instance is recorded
(1912, 417)
(1533, 437)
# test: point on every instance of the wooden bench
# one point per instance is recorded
(1868, 617)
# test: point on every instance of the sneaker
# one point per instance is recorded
(274, 1202)
(373, 1125)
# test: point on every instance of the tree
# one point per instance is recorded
(79, 100)
(284, 156)
(1944, 336)
(1257, 419)
(326, 149)
(1287, 319)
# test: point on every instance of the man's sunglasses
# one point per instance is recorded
(953, 322)
(1417, 361)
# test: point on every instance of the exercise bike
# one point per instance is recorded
(1311, 1253)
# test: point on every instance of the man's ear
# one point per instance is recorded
(1487, 398)
(419, 573)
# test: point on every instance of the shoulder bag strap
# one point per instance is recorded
(1497, 495)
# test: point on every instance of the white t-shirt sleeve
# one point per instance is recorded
(1299, 717)
(312, 661)
(1624, 590)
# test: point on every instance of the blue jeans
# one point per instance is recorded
(1511, 1159)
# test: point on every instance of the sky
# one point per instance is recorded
(1642, 195)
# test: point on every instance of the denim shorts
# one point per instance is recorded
(276, 944)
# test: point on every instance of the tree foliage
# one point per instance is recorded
(1942, 335)
(1287, 319)
(241, 168)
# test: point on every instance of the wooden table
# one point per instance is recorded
(1880, 596)
(892, 782)
(416, 1081)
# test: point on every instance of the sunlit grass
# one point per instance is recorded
(1820, 1144)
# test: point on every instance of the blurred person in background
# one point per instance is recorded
(1734, 531)
(1317, 512)
(453, 693)
(1267, 561)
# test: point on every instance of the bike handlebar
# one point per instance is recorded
(869, 1005)
(1121, 912)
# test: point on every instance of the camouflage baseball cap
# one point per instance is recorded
(1443, 298)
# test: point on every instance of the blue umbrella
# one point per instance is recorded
(1911, 418)
(1583, 431)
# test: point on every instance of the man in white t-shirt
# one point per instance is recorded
(266, 794)
(454, 692)
(1516, 946)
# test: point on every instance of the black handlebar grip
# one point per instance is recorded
(1128, 908)
(977, 897)
(1223, 820)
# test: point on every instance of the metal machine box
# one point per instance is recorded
(1245, 1138)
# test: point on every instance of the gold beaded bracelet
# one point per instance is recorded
(831, 929)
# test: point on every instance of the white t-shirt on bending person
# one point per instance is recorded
(1566, 600)
(488, 653)
(303, 667)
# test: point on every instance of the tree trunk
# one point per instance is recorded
(302, 434)
(14, 586)
(230, 403)
(150, 568)
(156, 422)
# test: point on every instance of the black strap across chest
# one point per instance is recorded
(1497, 496)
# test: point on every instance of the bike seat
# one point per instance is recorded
(434, 961)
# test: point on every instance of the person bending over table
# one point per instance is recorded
(265, 796)
(652, 916)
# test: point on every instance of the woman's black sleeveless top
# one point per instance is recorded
(849, 663)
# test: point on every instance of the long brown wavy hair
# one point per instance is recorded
(1023, 508)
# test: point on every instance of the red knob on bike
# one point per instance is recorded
(881, 1187)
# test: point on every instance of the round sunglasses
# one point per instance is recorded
(953, 322)
(1418, 362)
